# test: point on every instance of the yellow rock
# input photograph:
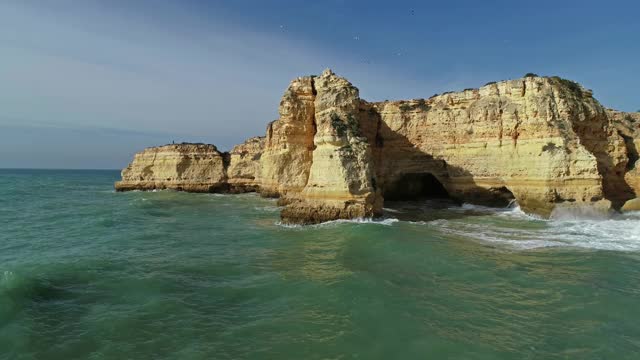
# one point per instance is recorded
(187, 167)
(632, 205)
(544, 142)
(244, 168)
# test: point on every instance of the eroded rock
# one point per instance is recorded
(186, 167)
(542, 141)
(243, 172)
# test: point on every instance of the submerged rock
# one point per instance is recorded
(542, 141)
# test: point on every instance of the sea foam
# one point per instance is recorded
(384, 222)
(588, 230)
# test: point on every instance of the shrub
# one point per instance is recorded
(423, 105)
(338, 124)
(572, 85)
(405, 107)
(550, 147)
(490, 83)
(530, 75)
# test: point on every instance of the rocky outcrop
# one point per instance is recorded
(628, 127)
(544, 142)
(286, 160)
(341, 179)
(186, 167)
(243, 172)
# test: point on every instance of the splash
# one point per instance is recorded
(517, 230)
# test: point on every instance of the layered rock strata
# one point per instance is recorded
(243, 171)
(340, 179)
(628, 126)
(186, 167)
(544, 142)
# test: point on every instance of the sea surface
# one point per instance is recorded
(87, 273)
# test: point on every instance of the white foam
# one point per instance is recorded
(268, 208)
(385, 222)
(617, 233)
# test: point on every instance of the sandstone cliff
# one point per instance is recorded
(544, 142)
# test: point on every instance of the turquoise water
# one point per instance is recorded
(89, 273)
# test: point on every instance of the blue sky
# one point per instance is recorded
(85, 84)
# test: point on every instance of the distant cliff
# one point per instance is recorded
(544, 142)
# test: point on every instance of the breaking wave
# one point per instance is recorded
(384, 221)
(510, 227)
(515, 229)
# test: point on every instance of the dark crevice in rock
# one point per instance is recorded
(632, 151)
(416, 186)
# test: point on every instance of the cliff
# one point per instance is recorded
(544, 142)
(335, 171)
(243, 171)
(186, 167)
(628, 126)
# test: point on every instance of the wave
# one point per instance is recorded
(374, 221)
(514, 229)
(618, 233)
(268, 208)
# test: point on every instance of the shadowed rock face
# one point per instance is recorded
(543, 141)
(628, 126)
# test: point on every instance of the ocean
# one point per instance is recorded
(88, 273)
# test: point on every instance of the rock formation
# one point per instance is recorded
(243, 171)
(186, 167)
(340, 180)
(544, 142)
(628, 126)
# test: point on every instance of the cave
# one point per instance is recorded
(416, 186)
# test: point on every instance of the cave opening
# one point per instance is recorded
(416, 186)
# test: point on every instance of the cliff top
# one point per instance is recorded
(505, 86)
(184, 146)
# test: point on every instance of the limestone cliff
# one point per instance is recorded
(286, 160)
(340, 183)
(187, 167)
(243, 172)
(628, 126)
(542, 141)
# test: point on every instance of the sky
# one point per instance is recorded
(86, 84)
